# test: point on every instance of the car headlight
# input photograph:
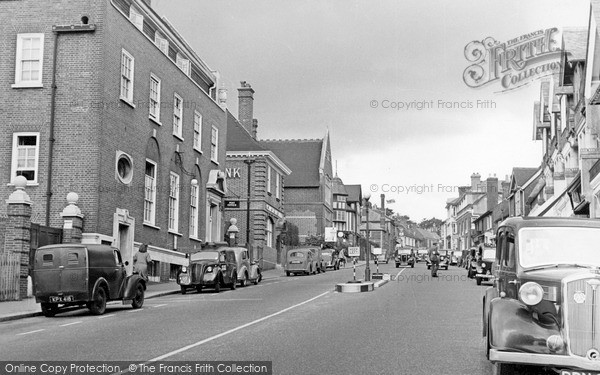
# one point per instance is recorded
(184, 269)
(482, 265)
(531, 293)
(209, 269)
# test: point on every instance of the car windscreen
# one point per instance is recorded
(206, 255)
(489, 254)
(558, 245)
(297, 254)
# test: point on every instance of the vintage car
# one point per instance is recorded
(543, 309)
(208, 269)
(75, 274)
(422, 255)
(455, 258)
(444, 259)
(247, 270)
(300, 261)
(330, 259)
(404, 257)
(318, 257)
(485, 265)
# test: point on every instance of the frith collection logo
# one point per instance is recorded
(514, 63)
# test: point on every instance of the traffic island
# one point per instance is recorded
(355, 287)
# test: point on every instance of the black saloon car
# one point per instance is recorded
(208, 269)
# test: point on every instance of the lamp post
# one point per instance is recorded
(248, 162)
(367, 196)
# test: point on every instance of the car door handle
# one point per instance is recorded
(514, 282)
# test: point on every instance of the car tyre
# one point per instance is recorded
(138, 298)
(98, 304)
(397, 265)
(244, 281)
(183, 289)
(199, 288)
(259, 277)
(288, 273)
(218, 285)
(49, 309)
(500, 368)
(412, 265)
(234, 283)
(478, 280)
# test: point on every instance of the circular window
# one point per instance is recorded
(124, 168)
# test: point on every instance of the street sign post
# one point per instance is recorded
(354, 252)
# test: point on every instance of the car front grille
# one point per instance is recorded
(582, 309)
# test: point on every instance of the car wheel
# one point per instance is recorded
(199, 288)
(287, 273)
(412, 265)
(183, 289)
(218, 285)
(428, 267)
(397, 265)
(234, 283)
(244, 281)
(49, 309)
(478, 280)
(138, 298)
(98, 304)
(259, 277)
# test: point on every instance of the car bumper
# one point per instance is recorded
(548, 360)
(484, 276)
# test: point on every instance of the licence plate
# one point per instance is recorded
(61, 299)
(296, 262)
(578, 372)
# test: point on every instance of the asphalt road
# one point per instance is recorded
(412, 325)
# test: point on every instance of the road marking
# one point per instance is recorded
(164, 304)
(398, 274)
(185, 348)
(134, 310)
(26, 333)
(69, 324)
(106, 316)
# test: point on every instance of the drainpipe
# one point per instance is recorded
(57, 30)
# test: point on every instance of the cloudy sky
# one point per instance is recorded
(341, 65)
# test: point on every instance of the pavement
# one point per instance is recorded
(12, 310)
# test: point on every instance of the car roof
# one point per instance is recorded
(532, 222)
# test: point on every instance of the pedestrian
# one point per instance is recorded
(141, 260)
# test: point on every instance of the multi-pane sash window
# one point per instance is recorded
(177, 115)
(183, 64)
(174, 202)
(214, 144)
(25, 156)
(150, 193)
(277, 185)
(154, 97)
(30, 55)
(127, 66)
(268, 178)
(269, 232)
(197, 131)
(162, 44)
(136, 18)
(194, 198)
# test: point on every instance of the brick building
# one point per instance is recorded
(247, 157)
(133, 125)
(308, 189)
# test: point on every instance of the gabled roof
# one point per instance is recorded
(238, 138)
(302, 156)
(575, 42)
(338, 187)
(520, 176)
(354, 193)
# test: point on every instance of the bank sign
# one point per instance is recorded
(514, 63)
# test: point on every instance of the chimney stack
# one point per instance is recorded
(246, 106)
(475, 181)
(492, 192)
(254, 128)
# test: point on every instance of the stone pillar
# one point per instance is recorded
(232, 232)
(72, 220)
(18, 230)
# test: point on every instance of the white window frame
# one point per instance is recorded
(269, 179)
(214, 144)
(15, 156)
(173, 219)
(183, 64)
(161, 43)
(269, 232)
(194, 211)
(198, 131)
(277, 185)
(177, 116)
(156, 107)
(19, 82)
(136, 18)
(128, 96)
(150, 195)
